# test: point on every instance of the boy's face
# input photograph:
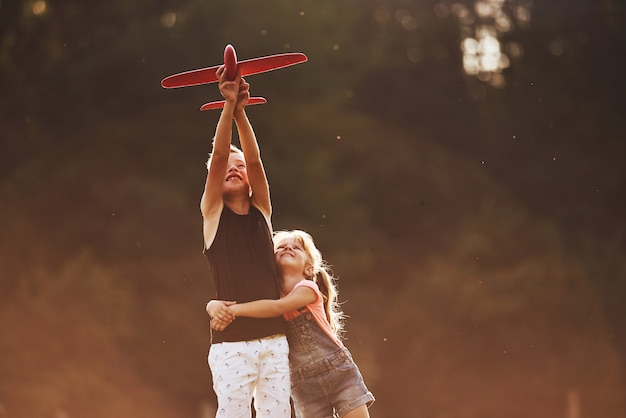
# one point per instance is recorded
(236, 179)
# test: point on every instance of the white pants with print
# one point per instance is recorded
(256, 369)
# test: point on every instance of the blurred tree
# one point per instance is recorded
(475, 220)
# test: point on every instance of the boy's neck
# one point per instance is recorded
(241, 206)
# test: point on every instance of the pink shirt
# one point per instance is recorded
(316, 308)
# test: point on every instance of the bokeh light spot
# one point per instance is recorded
(483, 52)
(382, 16)
(556, 48)
(442, 10)
(39, 7)
(168, 20)
(415, 54)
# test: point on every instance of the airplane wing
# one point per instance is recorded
(191, 78)
(248, 67)
(269, 63)
(220, 104)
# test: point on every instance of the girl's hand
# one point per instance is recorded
(220, 313)
(219, 309)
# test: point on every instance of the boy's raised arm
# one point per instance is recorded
(252, 155)
(212, 202)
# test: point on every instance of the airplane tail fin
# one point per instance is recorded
(220, 104)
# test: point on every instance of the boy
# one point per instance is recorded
(250, 358)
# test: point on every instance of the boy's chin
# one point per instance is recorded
(236, 188)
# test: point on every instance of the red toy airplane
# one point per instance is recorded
(247, 67)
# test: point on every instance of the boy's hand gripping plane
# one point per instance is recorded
(247, 67)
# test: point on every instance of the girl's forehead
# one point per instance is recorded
(288, 240)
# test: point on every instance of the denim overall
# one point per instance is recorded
(325, 381)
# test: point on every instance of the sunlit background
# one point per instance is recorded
(461, 165)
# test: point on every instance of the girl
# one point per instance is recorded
(325, 381)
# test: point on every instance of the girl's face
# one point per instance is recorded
(290, 253)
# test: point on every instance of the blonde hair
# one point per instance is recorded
(233, 149)
(322, 276)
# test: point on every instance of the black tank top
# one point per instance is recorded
(241, 259)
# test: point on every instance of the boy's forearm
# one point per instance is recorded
(224, 130)
(247, 137)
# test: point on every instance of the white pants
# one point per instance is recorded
(256, 369)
